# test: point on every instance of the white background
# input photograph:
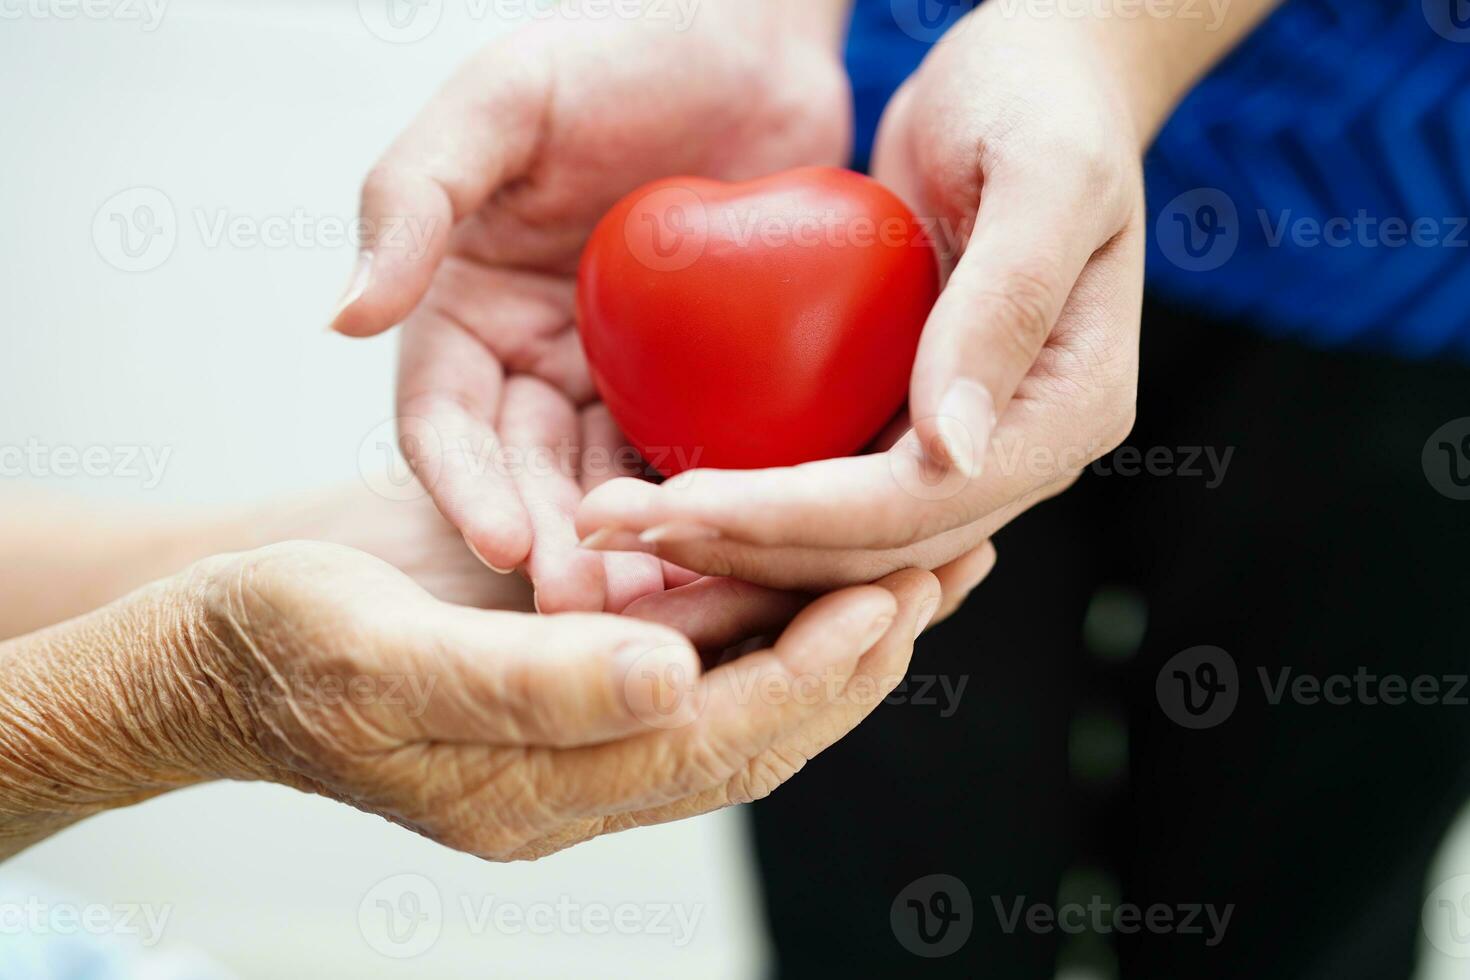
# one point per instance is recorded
(219, 356)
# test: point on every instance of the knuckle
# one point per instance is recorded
(383, 179)
(1087, 155)
(532, 713)
(764, 775)
(709, 762)
(1096, 165)
(1022, 304)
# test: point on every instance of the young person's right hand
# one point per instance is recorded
(477, 217)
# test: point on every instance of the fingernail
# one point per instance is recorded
(598, 538)
(926, 616)
(678, 532)
(615, 539)
(965, 421)
(536, 601)
(362, 277)
(485, 561)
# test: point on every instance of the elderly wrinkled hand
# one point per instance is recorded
(506, 735)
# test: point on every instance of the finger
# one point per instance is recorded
(526, 318)
(718, 613)
(961, 577)
(880, 670)
(877, 674)
(674, 576)
(857, 502)
(823, 569)
(918, 594)
(540, 429)
(891, 499)
(1033, 235)
(449, 393)
(605, 454)
(512, 679)
(853, 517)
(630, 578)
(743, 708)
(811, 504)
(896, 429)
(414, 535)
(477, 133)
(817, 569)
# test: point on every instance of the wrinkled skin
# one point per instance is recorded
(511, 736)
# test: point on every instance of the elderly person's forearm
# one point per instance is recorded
(94, 716)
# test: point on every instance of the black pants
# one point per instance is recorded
(1069, 782)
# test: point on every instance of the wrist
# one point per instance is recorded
(824, 20)
(1149, 61)
(821, 21)
(1157, 58)
(95, 713)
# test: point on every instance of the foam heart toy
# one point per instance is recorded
(756, 324)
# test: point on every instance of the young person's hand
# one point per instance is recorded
(477, 218)
(1019, 142)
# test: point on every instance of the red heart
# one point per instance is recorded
(765, 323)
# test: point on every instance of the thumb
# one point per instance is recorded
(518, 679)
(476, 134)
(994, 317)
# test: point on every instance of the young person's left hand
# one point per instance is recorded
(1019, 141)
